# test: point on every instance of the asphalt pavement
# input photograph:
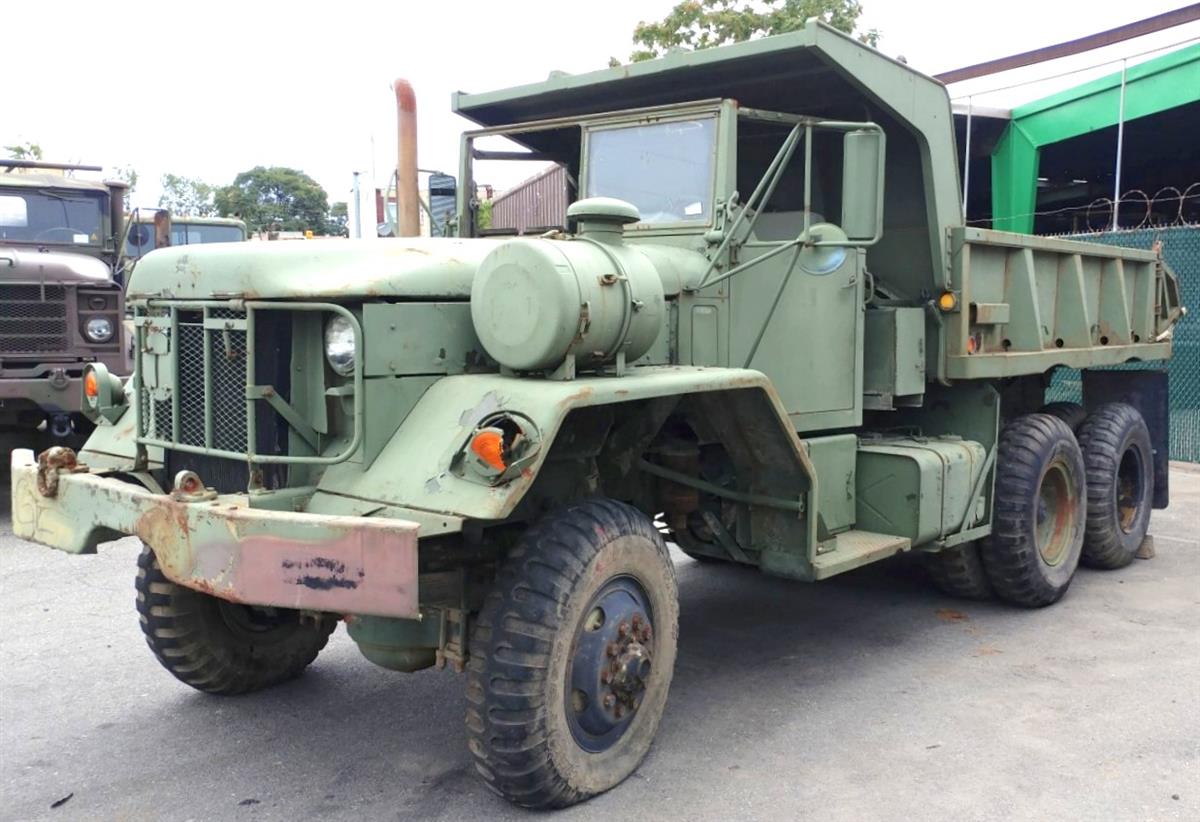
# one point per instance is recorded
(868, 697)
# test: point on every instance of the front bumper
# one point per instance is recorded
(58, 394)
(223, 547)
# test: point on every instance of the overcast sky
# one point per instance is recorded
(210, 89)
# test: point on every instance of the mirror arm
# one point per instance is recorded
(761, 195)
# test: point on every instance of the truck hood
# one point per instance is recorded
(333, 269)
(31, 265)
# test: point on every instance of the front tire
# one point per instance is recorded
(572, 656)
(1119, 460)
(1039, 512)
(221, 647)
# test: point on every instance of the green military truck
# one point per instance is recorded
(159, 228)
(767, 337)
(60, 303)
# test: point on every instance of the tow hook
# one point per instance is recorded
(189, 488)
(50, 463)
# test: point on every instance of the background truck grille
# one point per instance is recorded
(33, 319)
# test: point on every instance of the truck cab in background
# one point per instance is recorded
(158, 228)
(60, 302)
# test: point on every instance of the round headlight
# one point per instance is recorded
(339, 345)
(98, 329)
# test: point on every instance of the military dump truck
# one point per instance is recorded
(766, 336)
(60, 305)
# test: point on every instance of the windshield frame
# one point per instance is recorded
(674, 226)
(723, 170)
(100, 198)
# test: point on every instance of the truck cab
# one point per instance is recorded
(158, 228)
(60, 305)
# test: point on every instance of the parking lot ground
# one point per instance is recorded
(869, 697)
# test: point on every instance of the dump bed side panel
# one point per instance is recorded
(1026, 304)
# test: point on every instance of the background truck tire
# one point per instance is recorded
(1071, 413)
(959, 572)
(1119, 461)
(1039, 512)
(560, 705)
(221, 647)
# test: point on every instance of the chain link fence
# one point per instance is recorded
(1181, 250)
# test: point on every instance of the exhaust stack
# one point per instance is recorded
(408, 214)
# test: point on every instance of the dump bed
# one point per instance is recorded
(1026, 304)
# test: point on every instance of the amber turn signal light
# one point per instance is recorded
(90, 387)
(489, 446)
(947, 302)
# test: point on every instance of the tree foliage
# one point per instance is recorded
(701, 24)
(275, 197)
(24, 151)
(128, 175)
(339, 219)
(187, 196)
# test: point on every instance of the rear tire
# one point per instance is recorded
(959, 572)
(1071, 413)
(221, 647)
(572, 656)
(1119, 460)
(1039, 512)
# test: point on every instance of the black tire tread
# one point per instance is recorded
(505, 716)
(1071, 413)
(170, 615)
(1010, 559)
(1100, 438)
(959, 572)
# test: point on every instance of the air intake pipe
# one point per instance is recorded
(408, 207)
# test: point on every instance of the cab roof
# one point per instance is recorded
(816, 71)
(15, 179)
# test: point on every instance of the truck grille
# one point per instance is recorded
(214, 386)
(213, 383)
(33, 319)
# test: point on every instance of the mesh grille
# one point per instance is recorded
(1181, 251)
(229, 390)
(33, 319)
(191, 384)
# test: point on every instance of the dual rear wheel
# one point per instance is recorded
(1069, 488)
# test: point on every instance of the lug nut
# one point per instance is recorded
(623, 630)
(605, 676)
(611, 649)
(609, 700)
(637, 620)
(646, 633)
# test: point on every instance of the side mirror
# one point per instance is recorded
(862, 185)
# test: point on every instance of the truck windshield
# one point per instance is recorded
(665, 169)
(141, 236)
(52, 217)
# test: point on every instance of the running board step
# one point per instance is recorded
(852, 549)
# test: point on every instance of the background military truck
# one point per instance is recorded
(60, 306)
(159, 228)
(767, 337)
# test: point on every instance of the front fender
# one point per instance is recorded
(412, 472)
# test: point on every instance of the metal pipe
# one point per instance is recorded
(967, 161)
(795, 506)
(357, 209)
(1120, 149)
(408, 214)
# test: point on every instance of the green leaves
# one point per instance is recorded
(275, 197)
(701, 24)
(187, 196)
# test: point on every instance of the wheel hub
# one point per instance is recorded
(611, 666)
